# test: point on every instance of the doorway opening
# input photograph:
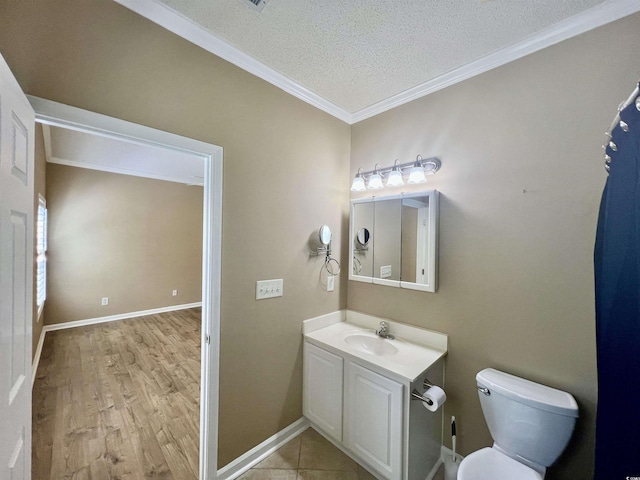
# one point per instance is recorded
(57, 115)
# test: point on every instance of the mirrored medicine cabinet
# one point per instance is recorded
(394, 240)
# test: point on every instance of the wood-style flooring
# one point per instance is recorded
(119, 400)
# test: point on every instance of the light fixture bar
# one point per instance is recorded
(430, 165)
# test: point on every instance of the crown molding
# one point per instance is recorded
(189, 30)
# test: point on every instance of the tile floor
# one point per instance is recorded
(309, 456)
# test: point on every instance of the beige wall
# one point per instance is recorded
(130, 239)
(286, 169)
(40, 189)
(521, 179)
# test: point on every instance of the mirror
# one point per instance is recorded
(363, 237)
(386, 228)
(362, 254)
(324, 235)
(394, 240)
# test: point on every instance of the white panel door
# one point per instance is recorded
(373, 422)
(322, 390)
(16, 276)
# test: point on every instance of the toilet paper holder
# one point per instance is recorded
(415, 395)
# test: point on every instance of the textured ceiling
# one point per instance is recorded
(85, 150)
(356, 53)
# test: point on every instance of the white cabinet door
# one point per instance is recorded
(322, 390)
(373, 423)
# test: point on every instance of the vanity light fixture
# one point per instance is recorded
(375, 180)
(395, 176)
(358, 182)
(416, 172)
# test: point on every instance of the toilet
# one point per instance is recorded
(530, 423)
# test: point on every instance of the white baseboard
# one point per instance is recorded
(36, 357)
(434, 470)
(121, 316)
(263, 450)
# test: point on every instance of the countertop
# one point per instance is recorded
(408, 364)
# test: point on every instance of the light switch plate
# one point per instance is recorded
(385, 271)
(269, 288)
(330, 283)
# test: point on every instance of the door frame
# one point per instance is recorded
(65, 116)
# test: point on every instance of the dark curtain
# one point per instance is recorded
(617, 284)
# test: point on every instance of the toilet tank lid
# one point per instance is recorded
(528, 392)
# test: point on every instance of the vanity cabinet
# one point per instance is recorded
(373, 419)
(371, 427)
(322, 387)
(357, 393)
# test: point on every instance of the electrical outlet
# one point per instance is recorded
(269, 288)
(105, 301)
(330, 283)
(385, 271)
(174, 293)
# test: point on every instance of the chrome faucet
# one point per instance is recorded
(383, 331)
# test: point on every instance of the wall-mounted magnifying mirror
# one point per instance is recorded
(394, 240)
(363, 237)
(324, 235)
(331, 265)
(362, 255)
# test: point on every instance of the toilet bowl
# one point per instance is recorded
(531, 425)
(489, 464)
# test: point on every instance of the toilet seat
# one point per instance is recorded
(489, 464)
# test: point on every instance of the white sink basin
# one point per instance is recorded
(371, 344)
(404, 359)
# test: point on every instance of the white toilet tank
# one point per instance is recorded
(527, 420)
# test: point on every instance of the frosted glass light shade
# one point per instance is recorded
(395, 179)
(358, 185)
(416, 175)
(375, 182)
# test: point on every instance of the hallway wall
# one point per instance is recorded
(133, 240)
